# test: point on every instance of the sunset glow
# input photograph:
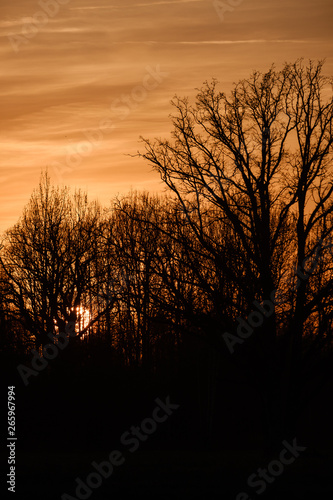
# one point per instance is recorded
(84, 318)
(86, 65)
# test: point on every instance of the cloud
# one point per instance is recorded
(13, 23)
(167, 2)
(64, 79)
(95, 7)
(231, 42)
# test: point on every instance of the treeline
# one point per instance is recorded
(146, 293)
(130, 277)
(230, 273)
(137, 277)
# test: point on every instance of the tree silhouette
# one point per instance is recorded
(262, 160)
(51, 261)
(172, 287)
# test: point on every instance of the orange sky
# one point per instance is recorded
(81, 84)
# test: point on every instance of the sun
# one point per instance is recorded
(83, 320)
(83, 317)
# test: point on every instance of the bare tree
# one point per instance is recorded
(135, 241)
(262, 160)
(52, 263)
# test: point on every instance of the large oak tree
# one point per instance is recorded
(261, 159)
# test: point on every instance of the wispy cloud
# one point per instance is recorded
(11, 23)
(146, 4)
(205, 42)
(166, 2)
(96, 7)
(231, 42)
